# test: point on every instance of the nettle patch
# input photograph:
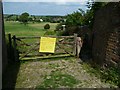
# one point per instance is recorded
(57, 80)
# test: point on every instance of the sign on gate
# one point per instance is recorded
(47, 44)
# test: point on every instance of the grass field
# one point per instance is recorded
(32, 29)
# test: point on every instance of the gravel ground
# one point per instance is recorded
(31, 74)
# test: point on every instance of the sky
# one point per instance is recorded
(43, 7)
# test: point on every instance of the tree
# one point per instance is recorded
(90, 14)
(24, 18)
(79, 18)
(8, 18)
(16, 18)
(59, 26)
(75, 18)
(74, 21)
(47, 26)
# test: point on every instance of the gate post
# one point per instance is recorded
(10, 46)
(74, 47)
(15, 49)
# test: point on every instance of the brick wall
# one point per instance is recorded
(113, 47)
(106, 34)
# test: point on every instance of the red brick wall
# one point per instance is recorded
(113, 47)
(106, 42)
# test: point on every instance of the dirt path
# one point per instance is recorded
(32, 74)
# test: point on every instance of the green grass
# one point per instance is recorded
(31, 29)
(57, 79)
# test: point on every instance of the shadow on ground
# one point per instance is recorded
(10, 76)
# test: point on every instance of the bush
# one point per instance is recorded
(68, 30)
(110, 75)
(59, 27)
(47, 26)
(49, 32)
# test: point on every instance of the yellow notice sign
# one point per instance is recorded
(47, 44)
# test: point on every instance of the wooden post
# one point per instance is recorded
(10, 45)
(74, 47)
(10, 41)
(15, 51)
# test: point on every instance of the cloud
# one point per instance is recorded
(56, 1)
(59, 1)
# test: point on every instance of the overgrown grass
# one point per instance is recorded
(107, 75)
(57, 79)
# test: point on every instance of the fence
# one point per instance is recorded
(27, 47)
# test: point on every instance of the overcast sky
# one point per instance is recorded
(43, 7)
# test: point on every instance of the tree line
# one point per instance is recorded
(26, 17)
